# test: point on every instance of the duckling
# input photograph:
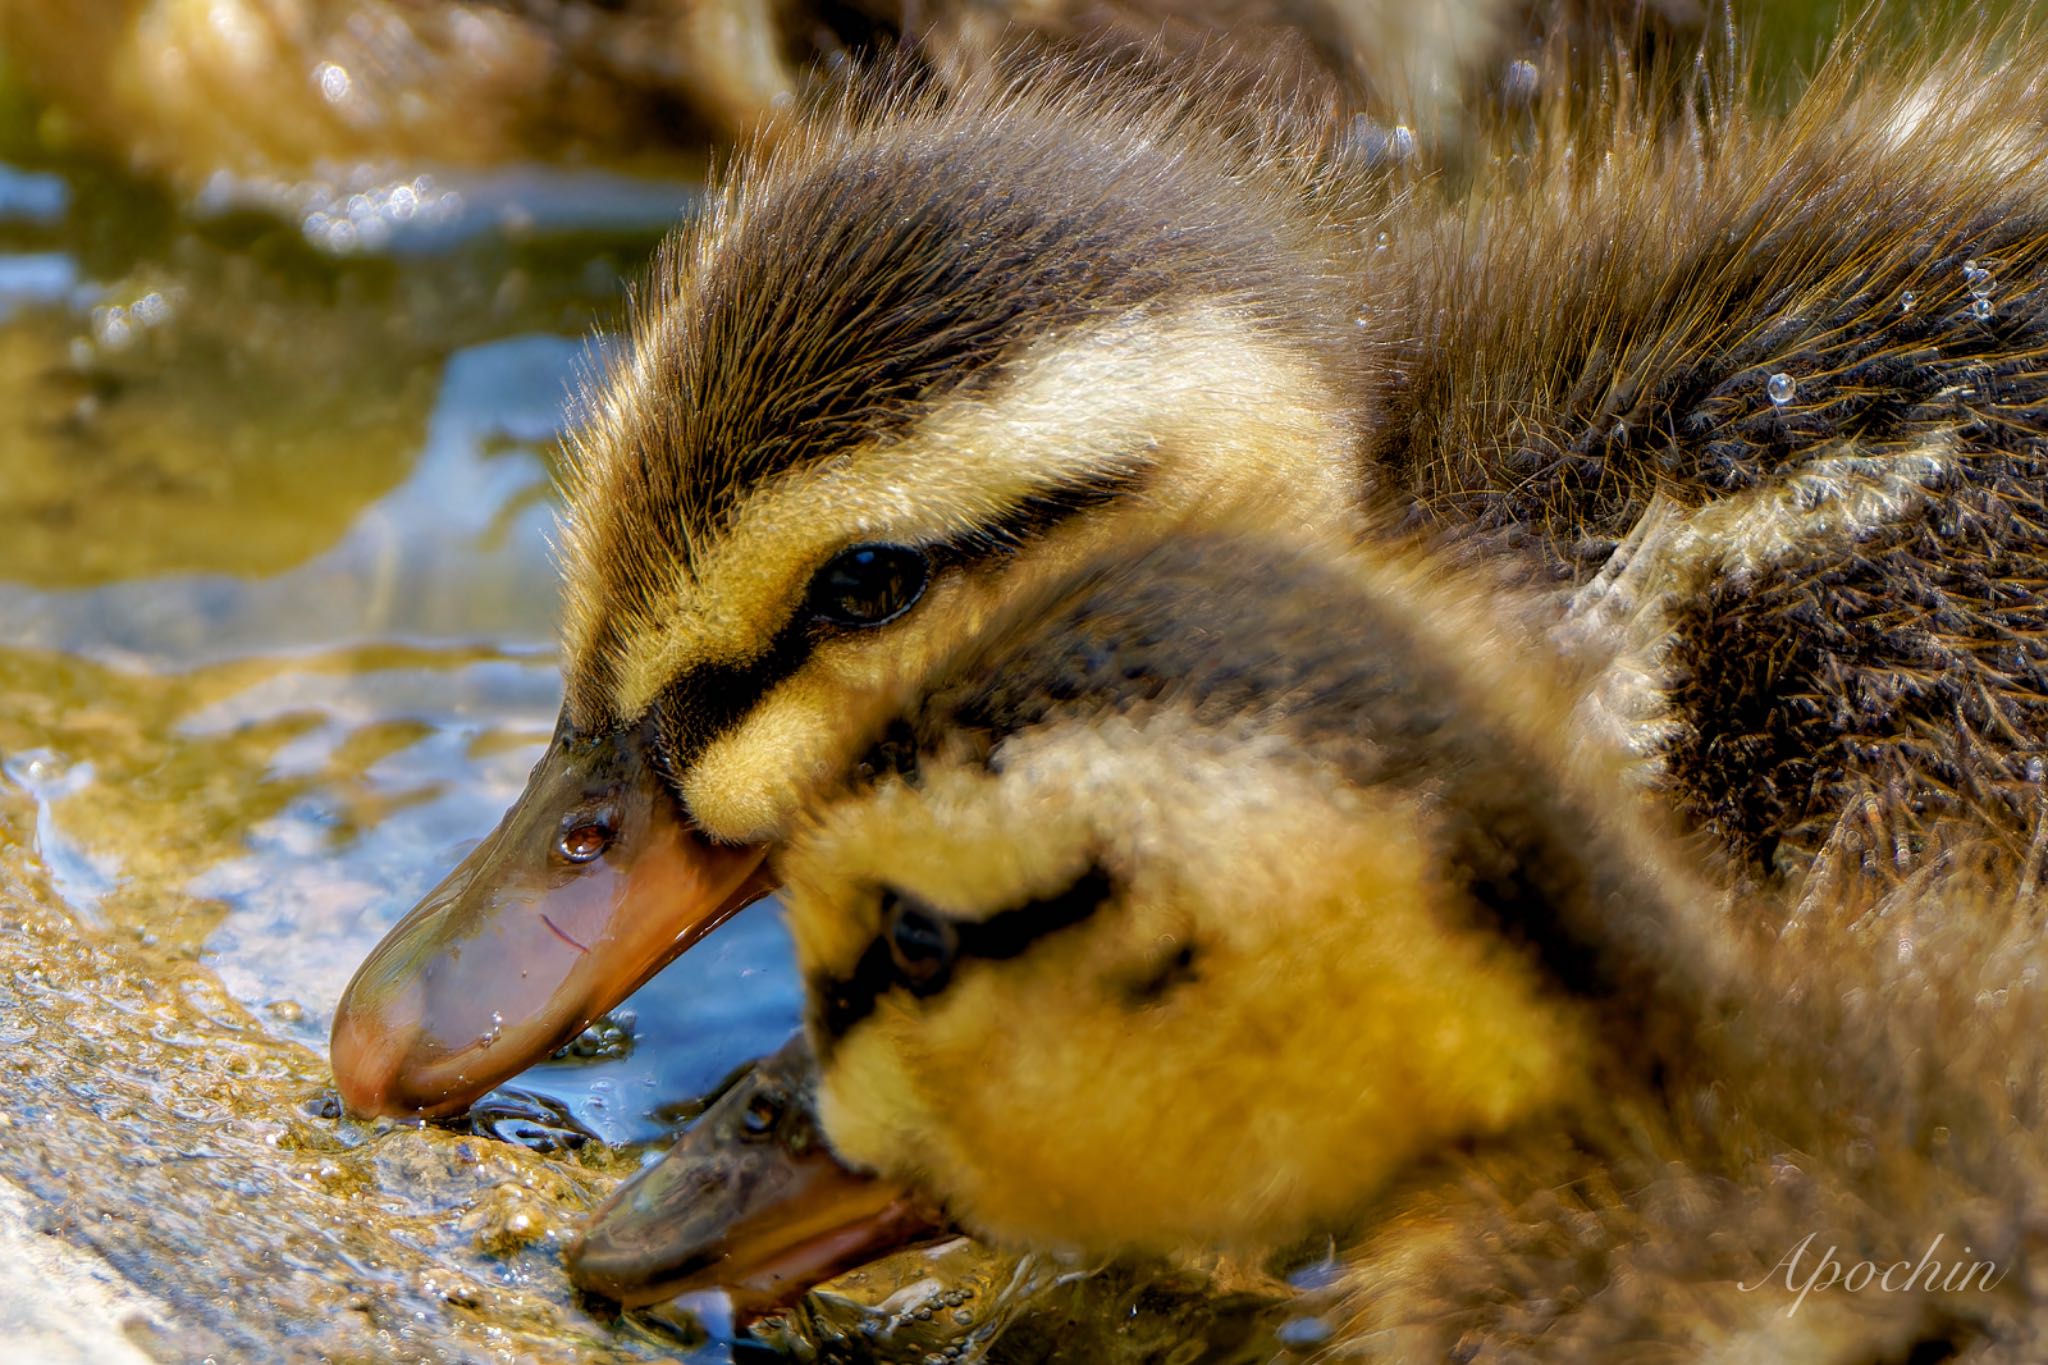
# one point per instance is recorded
(926, 349)
(190, 91)
(1071, 973)
(264, 88)
(920, 352)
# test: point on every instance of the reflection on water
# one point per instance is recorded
(275, 646)
(457, 550)
(251, 751)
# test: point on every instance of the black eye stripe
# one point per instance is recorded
(704, 702)
(839, 1003)
(1036, 514)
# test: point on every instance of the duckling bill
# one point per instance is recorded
(750, 1202)
(573, 897)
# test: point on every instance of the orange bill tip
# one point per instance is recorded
(750, 1203)
(591, 883)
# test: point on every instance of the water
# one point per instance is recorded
(276, 644)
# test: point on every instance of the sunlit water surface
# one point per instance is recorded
(276, 646)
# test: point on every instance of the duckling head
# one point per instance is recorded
(919, 353)
(1037, 997)
(1212, 912)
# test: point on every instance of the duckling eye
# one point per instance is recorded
(868, 585)
(584, 841)
(922, 945)
(764, 1112)
(779, 1118)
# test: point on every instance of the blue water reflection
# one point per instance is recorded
(426, 636)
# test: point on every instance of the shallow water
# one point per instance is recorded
(276, 621)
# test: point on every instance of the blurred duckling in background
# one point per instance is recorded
(1767, 433)
(1768, 394)
(1236, 894)
(191, 89)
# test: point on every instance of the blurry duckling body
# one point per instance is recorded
(272, 88)
(1240, 895)
(1774, 404)
(1737, 409)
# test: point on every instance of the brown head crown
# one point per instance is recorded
(898, 246)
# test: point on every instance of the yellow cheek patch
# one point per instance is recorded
(1302, 1065)
(952, 841)
(873, 1108)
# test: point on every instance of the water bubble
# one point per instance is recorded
(2036, 770)
(333, 81)
(1781, 388)
(1521, 82)
(1977, 278)
(1384, 241)
(111, 328)
(1982, 310)
(1907, 300)
(151, 310)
